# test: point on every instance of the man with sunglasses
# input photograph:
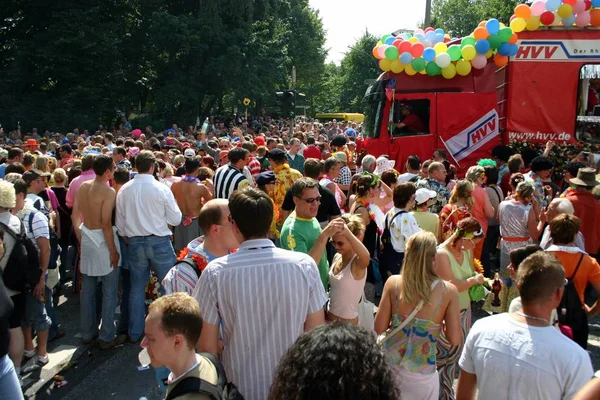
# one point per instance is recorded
(301, 231)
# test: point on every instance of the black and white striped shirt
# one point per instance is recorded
(227, 180)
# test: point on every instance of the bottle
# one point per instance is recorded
(496, 287)
(204, 126)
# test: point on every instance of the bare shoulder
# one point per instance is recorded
(451, 289)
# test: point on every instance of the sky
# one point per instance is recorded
(345, 21)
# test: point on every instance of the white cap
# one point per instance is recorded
(189, 153)
(422, 195)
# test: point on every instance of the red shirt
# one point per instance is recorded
(254, 166)
(414, 123)
(312, 151)
(505, 183)
(587, 208)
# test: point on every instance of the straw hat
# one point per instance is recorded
(585, 177)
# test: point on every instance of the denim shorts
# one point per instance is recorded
(35, 314)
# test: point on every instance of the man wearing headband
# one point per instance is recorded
(410, 122)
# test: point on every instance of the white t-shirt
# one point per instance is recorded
(515, 361)
(405, 177)
(401, 228)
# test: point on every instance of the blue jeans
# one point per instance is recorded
(88, 313)
(9, 383)
(145, 251)
(50, 312)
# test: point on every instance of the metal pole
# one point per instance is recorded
(427, 13)
(294, 110)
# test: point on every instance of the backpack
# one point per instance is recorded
(221, 391)
(386, 237)
(570, 310)
(192, 264)
(22, 270)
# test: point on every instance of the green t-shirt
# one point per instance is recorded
(299, 234)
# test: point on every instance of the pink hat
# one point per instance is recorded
(133, 151)
(136, 133)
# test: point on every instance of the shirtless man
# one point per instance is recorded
(190, 195)
(100, 257)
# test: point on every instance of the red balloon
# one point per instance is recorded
(588, 4)
(570, 2)
(397, 42)
(512, 17)
(547, 18)
(429, 29)
(404, 46)
(417, 50)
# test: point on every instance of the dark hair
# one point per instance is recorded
(442, 153)
(362, 185)
(205, 173)
(573, 167)
(330, 163)
(491, 174)
(144, 161)
(109, 136)
(402, 193)
(301, 184)
(121, 175)
(313, 168)
(14, 167)
(101, 164)
(414, 162)
(210, 214)
(67, 148)
(73, 173)
(514, 163)
(121, 151)
(208, 160)
(465, 225)
(528, 154)
(250, 146)
(270, 140)
(539, 276)
(541, 163)
(310, 140)
(191, 165)
(252, 211)
(389, 177)
(334, 361)
(236, 154)
(14, 152)
(28, 159)
(564, 228)
(20, 186)
(518, 255)
(502, 152)
(129, 143)
(87, 162)
(515, 179)
(180, 314)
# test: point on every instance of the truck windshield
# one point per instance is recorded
(374, 102)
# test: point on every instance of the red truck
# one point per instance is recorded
(535, 98)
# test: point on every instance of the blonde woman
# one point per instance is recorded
(459, 207)
(411, 353)
(41, 163)
(348, 272)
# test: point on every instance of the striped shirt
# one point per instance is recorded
(262, 295)
(227, 180)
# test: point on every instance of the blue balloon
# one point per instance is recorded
(552, 5)
(504, 49)
(420, 37)
(482, 46)
(439, 38)
(514, 49)
(390, 40)
(406, 58)
(595, 3)
(569, 21)
(430, 36)
(440, 31)
(492, 26)
(429, 54)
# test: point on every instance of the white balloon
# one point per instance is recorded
(443, 60)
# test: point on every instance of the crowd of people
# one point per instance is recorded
(281, 254)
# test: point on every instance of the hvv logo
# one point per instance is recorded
(557, 50)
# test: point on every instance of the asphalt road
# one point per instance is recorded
(113, 374)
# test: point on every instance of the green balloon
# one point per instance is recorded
(495, 41)
(433, 69)
(391, 53)
(454, 52)
(384, 38)
(505, 34)
(467, 40)
(418, 64)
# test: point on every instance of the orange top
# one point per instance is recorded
(587, 208)
(589, 270)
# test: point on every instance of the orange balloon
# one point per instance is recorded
(500, 60)
(513, 39)
(375, 53)
(595, 17)
(482, 24)
(523, 11)
(481, 33)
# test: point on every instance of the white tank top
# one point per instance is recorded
(345, 291)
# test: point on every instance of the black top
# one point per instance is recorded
(371, 242)
(327, 208)
(180, 171)
(64, 213)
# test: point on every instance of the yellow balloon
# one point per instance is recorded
(518, 24)
(440, 48)
(409, 70)
(423, 72)
(502, 25)
(379, 43)
(468, 52)
(413, 40)
(533, 23)
(463, 67)
(449, 72)
(489, 54)
(565, 10)
(385, 64)
(397, 66)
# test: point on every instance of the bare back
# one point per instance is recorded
(190, 197)
(93, 198)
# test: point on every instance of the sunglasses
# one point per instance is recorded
(311, 200)
(336, 244)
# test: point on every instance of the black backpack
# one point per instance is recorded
(192, 264)
(570, 310)
(386, 237)
(221, 391)
(22, 270)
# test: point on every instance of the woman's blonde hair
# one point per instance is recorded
(463, 190)
(474, 173)
(178, 160)
(417, 271)
(355, 223)
(41, 163)
(59, 175)
(168, 171)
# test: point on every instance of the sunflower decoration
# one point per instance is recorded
(247, 101)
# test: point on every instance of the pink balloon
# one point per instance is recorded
(538, 7)
(579, 7)
(381, 51)
(479, 62)
(583, 19)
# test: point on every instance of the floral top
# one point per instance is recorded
(284, 179)
(450, 215)
(414, 347)
(443, 194)
(538, 187)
